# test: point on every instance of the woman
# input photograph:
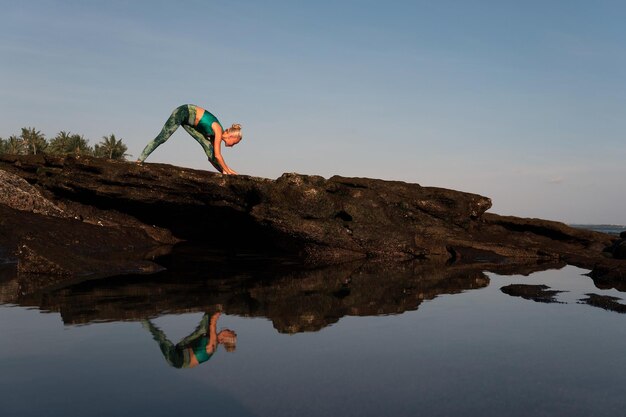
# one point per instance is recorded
(204, 128)
(196, 348)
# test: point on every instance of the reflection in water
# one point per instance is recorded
(538, 293)
(196, 348)
(294, 298)
(504, 355)
(605, 302)
(544, 294)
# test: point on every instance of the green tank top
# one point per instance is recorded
(204, 125)
(200, 350)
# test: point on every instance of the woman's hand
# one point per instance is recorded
(217, 149)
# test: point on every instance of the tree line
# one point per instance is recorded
(33, 142)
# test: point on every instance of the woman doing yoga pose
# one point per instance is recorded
(204, 128)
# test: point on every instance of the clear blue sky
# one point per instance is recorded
(521, 101)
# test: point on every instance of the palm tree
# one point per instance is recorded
(34, 140)
(78, 145)
(111, 148)
(65, 143)
(13, 145)
(59, 144)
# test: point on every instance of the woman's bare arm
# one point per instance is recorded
(217, 149)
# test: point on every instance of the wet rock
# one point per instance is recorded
(605, 302)
(538, 293)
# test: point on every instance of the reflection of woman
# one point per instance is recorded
(196, 348)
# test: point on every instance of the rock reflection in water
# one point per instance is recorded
(295, 300)
(538, 293)
(605, 302)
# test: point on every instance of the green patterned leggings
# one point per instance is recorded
(181, 116)
(175, 354)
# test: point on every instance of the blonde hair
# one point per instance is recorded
(228, 340)
(236, 130)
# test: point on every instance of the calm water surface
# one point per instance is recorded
(430, 344)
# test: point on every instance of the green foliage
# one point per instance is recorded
(111, 148)
(13, 145)
(59, 145)
(65, 143)
(80, 146)
(34, 141)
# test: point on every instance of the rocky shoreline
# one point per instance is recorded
(82, 218)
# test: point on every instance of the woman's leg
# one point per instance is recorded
(201, 330)
(206, 145)
(170, 353)
(179, 116)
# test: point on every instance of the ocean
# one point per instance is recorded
(612, 229)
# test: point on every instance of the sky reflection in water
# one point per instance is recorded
(481, 352)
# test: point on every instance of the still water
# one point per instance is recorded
(358, 341)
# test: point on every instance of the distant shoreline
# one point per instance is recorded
(612, 229)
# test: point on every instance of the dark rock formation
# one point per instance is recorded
(64, 248)
(606, 280)
(618, 249)
(538, 293)
(18, 194)
(315, 219)
(56, 244)
(309, 218)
